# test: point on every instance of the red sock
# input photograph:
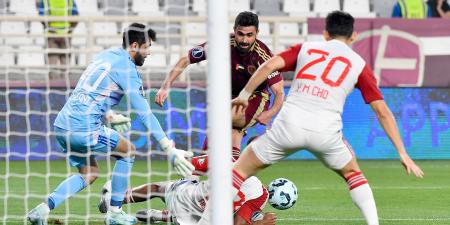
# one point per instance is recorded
(237, 180)
(235, 153)
(355, 180)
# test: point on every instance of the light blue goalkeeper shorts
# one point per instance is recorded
(82, 146)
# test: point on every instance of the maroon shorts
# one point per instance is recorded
(257, 104)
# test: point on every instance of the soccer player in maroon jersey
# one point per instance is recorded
(247, 53)
(326, 72)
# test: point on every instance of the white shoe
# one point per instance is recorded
(153, 216)
(105, 200)
(39, 215)
(119, 218)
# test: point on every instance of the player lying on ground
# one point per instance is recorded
(247, 53)
(326, 72)
(80, 132)
(187, 202)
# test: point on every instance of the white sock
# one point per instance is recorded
(362, 196)
(115, 209)
(45, 207)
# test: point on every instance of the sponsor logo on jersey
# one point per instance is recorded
(142, 91)
(251, 69)
(239, 67)
(197, 52)
(201, 161)
(272, 75)
(257, 215)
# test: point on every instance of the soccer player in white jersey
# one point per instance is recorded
(187, 201)
(80, 131)
(326, 72)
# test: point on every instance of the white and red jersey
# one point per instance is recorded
(325, 74)
(187, 200)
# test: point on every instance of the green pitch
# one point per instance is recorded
(323, 196)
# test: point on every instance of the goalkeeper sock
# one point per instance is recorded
(362, 196)
(119, 180)
(69, 187)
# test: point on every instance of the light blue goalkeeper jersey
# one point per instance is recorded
(108, 77)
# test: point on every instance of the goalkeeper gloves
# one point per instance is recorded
(177, 157)
(118, 122)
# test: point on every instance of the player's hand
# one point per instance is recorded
(264, 118)
(161, 96)
(177, 158)
(118, 122)
(270, 218)
(239, 105)
(410, 166)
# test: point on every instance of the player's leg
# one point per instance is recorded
(146, 192)
(338, 155)
(360, 191)
(124, 151)
(242, 120)
(88, 170)
(267, 149)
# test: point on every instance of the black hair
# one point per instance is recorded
(139, 33)
(246, 19)
(339, 23)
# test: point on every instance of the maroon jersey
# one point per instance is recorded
(243, 65)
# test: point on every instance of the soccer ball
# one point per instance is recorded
(282, 193)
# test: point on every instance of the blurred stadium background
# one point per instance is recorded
(410, 57)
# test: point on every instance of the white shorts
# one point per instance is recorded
(284, 138)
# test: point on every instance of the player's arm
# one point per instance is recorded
(195, 55)
(261, 74)
(387, 121)
(176, 71)
(439, 9)
(132, 86)
(372, 95)
(278, 91)
(285, 61)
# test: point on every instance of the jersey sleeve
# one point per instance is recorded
(290, 56)
(253, 206)
(276, 76)
(367, 84)
(133, 88)
(197, 54)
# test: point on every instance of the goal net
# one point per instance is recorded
(34, 88)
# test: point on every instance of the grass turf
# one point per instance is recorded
(323, 196)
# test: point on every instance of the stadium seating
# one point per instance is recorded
(358, 8)
(14, 33)
(146, 8)
(3, 7)
(177, 7)
(80, 33)
(23, 7)
(237, 6)
(115, 7)
(31, 56)
(199, 7)
(383, 8)
(268, 8)
(157, 58)
(7, 57)
(88, 7)
(298, 8)
(37, 30)
(323, 7)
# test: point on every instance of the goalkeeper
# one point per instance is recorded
(79, 129)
